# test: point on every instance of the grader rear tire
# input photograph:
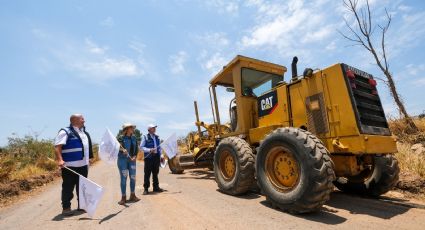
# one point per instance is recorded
(374, 182)
(234, 166)
(174, 168)
(294, 170)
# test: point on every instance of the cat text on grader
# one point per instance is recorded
(296, 139)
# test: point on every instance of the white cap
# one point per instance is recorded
(151, 126)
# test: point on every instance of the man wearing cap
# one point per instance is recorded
(73, 149)
(152, 151)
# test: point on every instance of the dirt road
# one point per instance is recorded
(193, 202)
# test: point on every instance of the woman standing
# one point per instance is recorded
(127, 161)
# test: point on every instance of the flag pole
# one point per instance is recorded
(75, 172)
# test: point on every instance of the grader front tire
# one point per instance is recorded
(234, 166)
(294, 170)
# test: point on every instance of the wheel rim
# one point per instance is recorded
(227, 165)
(364, 176)
(282, 169)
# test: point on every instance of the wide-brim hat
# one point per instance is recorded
(126, 125)
(152, 126)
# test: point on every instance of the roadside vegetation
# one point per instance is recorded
(25, 165)
(411, 156)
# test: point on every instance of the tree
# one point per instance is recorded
(362, 34)
(137, 133)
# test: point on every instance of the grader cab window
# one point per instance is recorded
(255, 83)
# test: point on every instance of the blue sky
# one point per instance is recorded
(146, 61)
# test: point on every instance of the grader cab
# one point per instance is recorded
(298, 137)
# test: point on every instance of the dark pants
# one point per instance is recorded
(151, 166)
(69, 181)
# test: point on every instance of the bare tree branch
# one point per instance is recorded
(384, 31)
(363, 20)
(369, 16)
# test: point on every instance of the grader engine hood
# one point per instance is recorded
(366, 102)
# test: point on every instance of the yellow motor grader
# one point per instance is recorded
(296, 138)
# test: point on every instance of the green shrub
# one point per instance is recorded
(26, 156)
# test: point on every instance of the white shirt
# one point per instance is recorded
(142, 145)
(61, 139)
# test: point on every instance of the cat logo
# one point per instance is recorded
(267, 103)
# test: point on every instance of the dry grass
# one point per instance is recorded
(399, 128)
(26, 157)
(27, 172)
(412, 165)
(410, 161)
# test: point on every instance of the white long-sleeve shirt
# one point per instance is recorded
(143, 143)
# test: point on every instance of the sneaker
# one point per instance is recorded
(67, 212)
(145, 192)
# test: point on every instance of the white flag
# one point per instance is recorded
(89, 195)
(170, 146)
(109, 148)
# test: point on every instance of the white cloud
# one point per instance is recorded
(137, 46)
(420, 82)
(95, 64)
(177, 62)
(136, 118)
(213, 39)
(224, 6)
(108, 22)
(319, 35)
(331, 46)
(108, 68)
(408, 34)
(186, 126)
(215, 63)
(415, 69)
(94, 48)
(156, 103)
(281, 26)
(404, 8)
(86, 59)
(39, 33)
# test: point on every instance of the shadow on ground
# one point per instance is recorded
(380, 208)
(325, 215)
(76, 213)
(110, 216)
(203, 174)
(384, 208)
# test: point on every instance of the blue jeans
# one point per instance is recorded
(127, 167)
